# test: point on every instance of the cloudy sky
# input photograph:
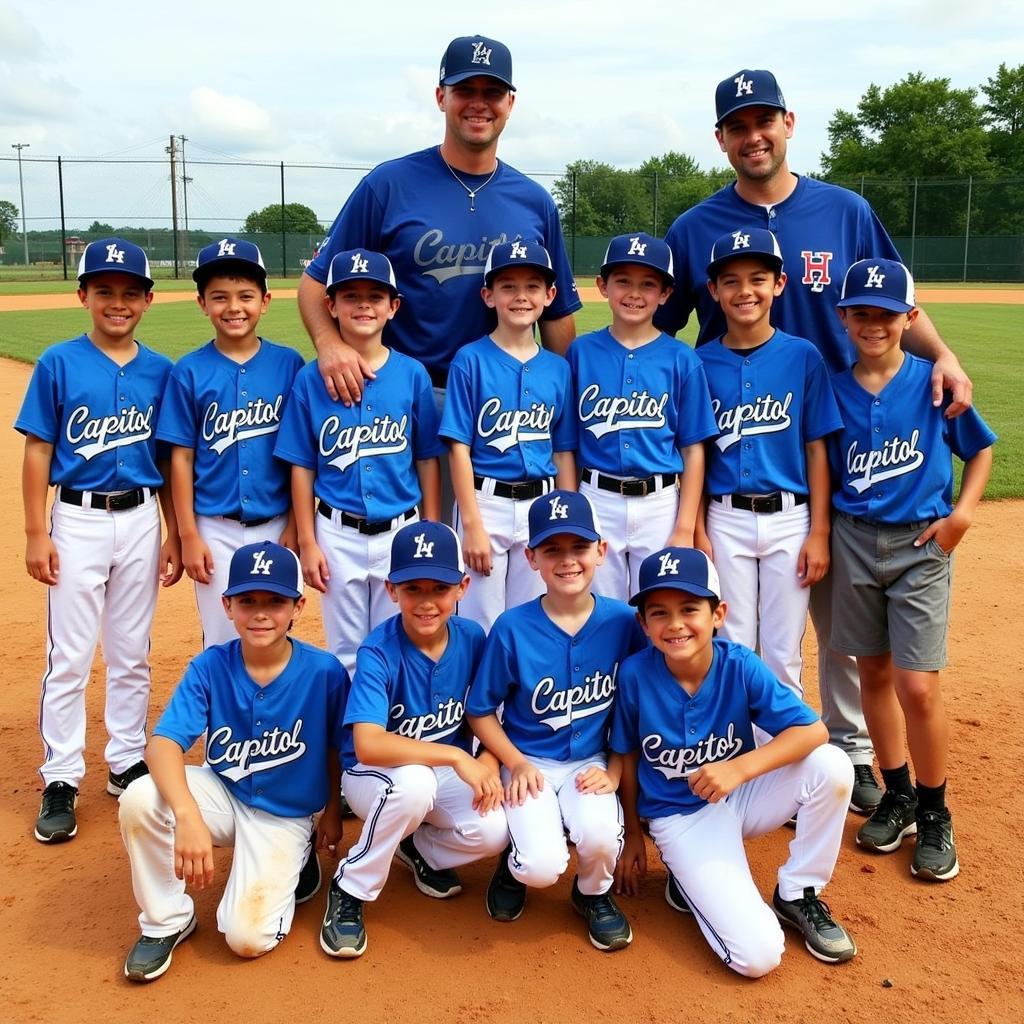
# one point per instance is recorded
(335, 83)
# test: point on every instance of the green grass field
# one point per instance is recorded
(987, 339)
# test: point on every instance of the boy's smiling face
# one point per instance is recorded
(518, 295)
(262, 617)
(234, 306)
(745, 288)
(426, 606)
(566, 562)
(634, 292)
(681, 626)
(116, 303)
(875, 332)
(362, 308)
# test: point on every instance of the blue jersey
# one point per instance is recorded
(636, 408)
(100, 417)
(892, 462)
(365, 455)
(822, 229)
(557, 689)
(768, 403)
(268, 744)
(512, 415)
(397, 687)
(229, 414)
(675, 734)
(414, 211)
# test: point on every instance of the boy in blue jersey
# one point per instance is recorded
(769, 500)
(409, 771)
(684, 721)
(221, 414)
(893, 538)
(552, 664)
(270, 707)
(643, 413)
(89, 420)
(360, 472)
(511, 432)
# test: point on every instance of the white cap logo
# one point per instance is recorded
(875, 279)
(260, 564)
(740, 240)
(360, 265)
(225, 248)
(559, 509)
(637, 248)
(424, 548)
(669, 565)
(481, 55)
(519, 251)
(114, 255)
(744, 87)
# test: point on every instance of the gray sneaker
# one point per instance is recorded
(117, 784)
(342, 934)
(935, 856)
(607, 925)
(57, 822)
(891, 820)
(674, 896)
(437, 882)
(150, 957)
(866, 791)
(824, 938)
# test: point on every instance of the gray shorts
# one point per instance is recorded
(888, 595)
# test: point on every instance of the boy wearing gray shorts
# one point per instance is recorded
(892, 542)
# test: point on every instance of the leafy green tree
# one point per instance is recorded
(297, 218)
(1004, 115)
(99, 228)
(9, 214)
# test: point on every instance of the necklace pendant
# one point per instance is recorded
(472, 202)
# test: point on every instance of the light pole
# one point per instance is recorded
(19, 146)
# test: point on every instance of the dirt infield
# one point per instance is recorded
(938, 953)
(587, 292)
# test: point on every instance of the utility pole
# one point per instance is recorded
(174, 201)
(184, 190)
(19, 146)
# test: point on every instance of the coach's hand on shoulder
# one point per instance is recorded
(193, 850)
(949, 375)
(41, 559)
(342, 369)
(632, 863)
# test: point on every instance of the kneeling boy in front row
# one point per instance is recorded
(683, 721)
(271, 710)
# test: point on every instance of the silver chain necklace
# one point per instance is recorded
(471, 192)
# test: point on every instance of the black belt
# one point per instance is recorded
(116, 501)
(360, 524)
(438, 376)
(237, 518)
(633, 488)
(765, 504)
(520, 490)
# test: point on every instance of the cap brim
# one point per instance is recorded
(463, 75)
(880, 301)
(270, 588)
(439, 574)
(605, 268)
(82, 278)
(554, 531)
(226, 265)
(335, 285)
(749, 103)
(547, 273)
(716, 265)
(686, 588)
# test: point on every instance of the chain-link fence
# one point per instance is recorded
(946, 230)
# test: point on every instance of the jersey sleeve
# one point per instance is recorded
(673, 315)
(623, 736)
(567, 299)
(427, 443)
(495, 677)
(564, 428)
(40, 410)
(773, 706)
(295, 440)
(369, 695)
(458, 418)
(187, 715)
(821, 413)
(337, 689)
(177, 424)
(696, 417)
(358, 224)
(967, 434)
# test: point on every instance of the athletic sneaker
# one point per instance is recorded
(866, 791)
(506, 895)
(150, 957)
(824, 937)
(607, 925)
(342, 933)
(310, 879)
(891, 820)
(117, 784)
(674, 895)
(56, 822)
(437, 882)
(935, 856)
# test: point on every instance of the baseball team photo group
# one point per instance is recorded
(515, 642)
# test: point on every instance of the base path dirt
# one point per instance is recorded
(926, 952)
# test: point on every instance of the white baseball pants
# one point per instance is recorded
(433, 803)
(540, 853)
(224, 537)
(107, 584)
(512, 581)
(704, 851)
(258, 904)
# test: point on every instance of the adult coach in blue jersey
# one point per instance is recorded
(436, 214)
(822, 229)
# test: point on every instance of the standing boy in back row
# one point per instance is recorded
(89, 420)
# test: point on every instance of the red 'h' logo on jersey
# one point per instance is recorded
(816, 267)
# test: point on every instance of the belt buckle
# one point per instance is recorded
(520, 491)
(637, 488)
(762, 505)
(120, 500)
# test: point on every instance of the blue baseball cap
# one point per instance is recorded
(426, 551)
(114, 255)
(265, 566)
(561, 512)
(685, 569)
(744, 242)
(469, 56)
(518, 254)
(361, 265)
(883, 283)
(229, 254)
(747, 89)
(640, 248)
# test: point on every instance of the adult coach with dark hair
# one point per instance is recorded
(822, 229)
(436, 214)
